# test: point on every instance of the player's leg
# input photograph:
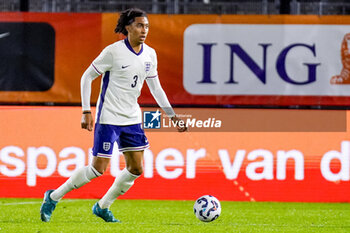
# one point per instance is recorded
(121, 185)
(132, 142)
(102, 153)
(125, 179)
(79, 178)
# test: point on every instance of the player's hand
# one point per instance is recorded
(87, 121)
(180, 124)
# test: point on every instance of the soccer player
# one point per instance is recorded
(125, 65)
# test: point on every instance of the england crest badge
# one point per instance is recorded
(148, 66)
(106, 146)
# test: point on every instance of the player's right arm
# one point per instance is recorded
(99, 66)
(89, 75)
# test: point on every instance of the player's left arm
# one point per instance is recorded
(163, 102)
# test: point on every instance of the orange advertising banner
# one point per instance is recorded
(77, 42)
(40, 147)
(62, 46)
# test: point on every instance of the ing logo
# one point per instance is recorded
(151, 119)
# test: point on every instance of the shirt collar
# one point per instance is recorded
(131, 49)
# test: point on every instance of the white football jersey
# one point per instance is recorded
(124, 73)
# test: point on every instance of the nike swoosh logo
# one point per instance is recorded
(123, 67)
(3, 35)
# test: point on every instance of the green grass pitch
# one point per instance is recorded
(74, 215)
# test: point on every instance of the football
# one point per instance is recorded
(207, 208)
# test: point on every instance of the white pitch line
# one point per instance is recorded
(35, 202)
(21, 203)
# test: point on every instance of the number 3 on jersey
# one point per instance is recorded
(135, 81)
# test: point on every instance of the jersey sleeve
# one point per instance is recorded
(85, 85)
(103, 62)
(153, 71)
(160, 96)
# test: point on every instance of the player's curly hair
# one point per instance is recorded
(127, 17)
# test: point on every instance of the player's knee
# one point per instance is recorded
(100, 164)
(100, 169)
(135, 170)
